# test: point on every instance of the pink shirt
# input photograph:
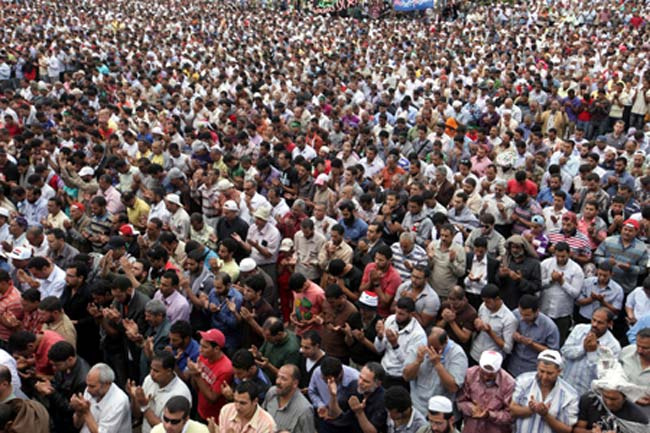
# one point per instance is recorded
(496, 399)
(261, 422)
(43, 365)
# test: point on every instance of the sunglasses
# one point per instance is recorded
(172, 421)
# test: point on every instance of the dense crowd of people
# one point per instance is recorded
(250, 217)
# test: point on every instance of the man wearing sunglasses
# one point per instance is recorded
(176, 418)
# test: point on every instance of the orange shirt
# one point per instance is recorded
(10, 303)
(387, 175)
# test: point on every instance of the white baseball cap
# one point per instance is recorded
(491, 361)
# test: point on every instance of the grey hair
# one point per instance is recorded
(155, 306)
(500, 182)
(407, 236)
(442, 170)
(106, 373)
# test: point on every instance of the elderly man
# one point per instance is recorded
(407, 254)
(520, 271)
(103, 406)
(586, 344)
(262, 241)
(485, 397)
(501, 206)
(542, 401)
(398, 339)
(307, 245)
(438, 369)
(287, 405)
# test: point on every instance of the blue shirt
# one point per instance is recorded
(543, 331)
(356, 231)
(623, 179)
(613, 293)
(643, 322)
(545, 198)
(224, 320)
(580, 368)
(318, 391)
(190, 352)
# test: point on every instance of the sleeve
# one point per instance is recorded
(545, 275)
(112, 418)
(458, 266)
(573, 348)
(508, 331)
(464, 400)
(458, 368)
(601, 254)
(520, 395)
(552, 340)
(569, 414)
(312, 390)
(641, 263)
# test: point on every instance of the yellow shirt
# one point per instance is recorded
(56, 221)
(138, 213)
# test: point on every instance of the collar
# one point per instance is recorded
(253, 422)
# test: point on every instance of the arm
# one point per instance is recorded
(364, 422)
(556, 425)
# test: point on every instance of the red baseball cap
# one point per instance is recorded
(214, 336)
(128, 230)
(633, 223)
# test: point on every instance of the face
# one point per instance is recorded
(614, 400)
(402, 317)
(562, 257)
(367, 383)
(643, 348)
(206, 349)
(599, 323)
(173, 422)
(244, 405)
(166, 287)
(528, 315)
(628, 233)
(94, 386)
(446, 237)
(284, 381)
(439, 424)
(159, 374)
(547, 373)
(491, 304)
(418, 278)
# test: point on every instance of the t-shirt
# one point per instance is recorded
(43, 365)
(590, 409)
(308, 304)
(214, 374)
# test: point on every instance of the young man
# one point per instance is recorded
(237, 416)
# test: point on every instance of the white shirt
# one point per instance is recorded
(371, 168)
(159, 396)
(257, 201)
(112, 413)
(9, 362)
(53, 285)
(269, 237)
(558, 300)
(639, 302)
(159, 210)
(503, 323)
(552, 226)
(479, 268)
(409, 339)
(492, 208)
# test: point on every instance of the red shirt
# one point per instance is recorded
(10, 303)
(389, 283)
(529, 187)
(307, 304)
(42, 361)
(214, 374)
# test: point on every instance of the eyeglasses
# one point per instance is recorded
(172, 421)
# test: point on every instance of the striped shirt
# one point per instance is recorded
(10, 302)
(525, 213)
(417, 256)
(581, 366)
(208, 196)
(635, 254)
(578, 242)
(100, 226)
(563, 401)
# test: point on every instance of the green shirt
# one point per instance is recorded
(285, 352)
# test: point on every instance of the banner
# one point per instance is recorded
(327, 6)
(412, 5)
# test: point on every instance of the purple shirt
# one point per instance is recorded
(177, 306)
